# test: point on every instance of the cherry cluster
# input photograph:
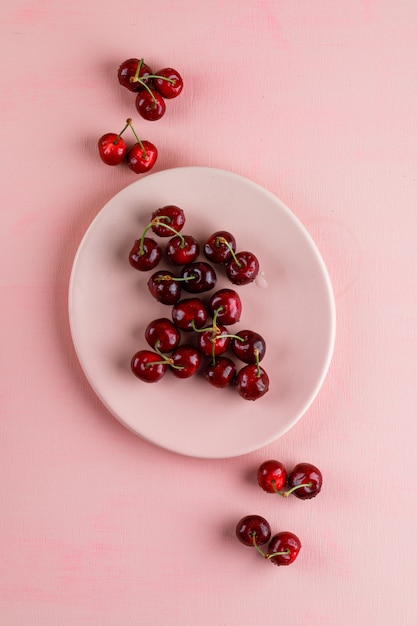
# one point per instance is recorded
(305, 482)
(203, 322)
(152, 88)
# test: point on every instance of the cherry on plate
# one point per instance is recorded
(161, 334)
(145, 254)
(220, 373)
(189, 314)
(148, 366)
(220, 246)
(243, 268)
(252, 382)
(248, 346)
(226, 305)
(168, 219)
(164, 287)
(186, 360)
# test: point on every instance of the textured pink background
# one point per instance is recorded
(317, 102)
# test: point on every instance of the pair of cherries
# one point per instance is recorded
(305, 482)
(113, 150)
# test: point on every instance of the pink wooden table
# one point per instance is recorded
(316, 101)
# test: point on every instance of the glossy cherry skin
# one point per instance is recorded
(147, 366)
(162, 335)
(305, 474)
(243, 269)
(189, 313)
(127, 72)
(171, 215)
(182, 249)
(150, 105)
(112, 149)
(166, 88)
(250, 383)
(228, 305)
(253, 528)
(213, 342)
(147, 258)
(250, 347)
(216, 248)
(200, 277)
(186, 361)
(272, 476)
(140, 161)
(164, 288)
(284, 542)
(221, 373)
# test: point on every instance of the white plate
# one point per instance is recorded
(291, 305)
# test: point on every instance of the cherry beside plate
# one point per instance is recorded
(291, 305)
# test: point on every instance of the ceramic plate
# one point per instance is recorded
(290, 304)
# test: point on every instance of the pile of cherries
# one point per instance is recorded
(203, 322)
(305, 482)
(152, 90)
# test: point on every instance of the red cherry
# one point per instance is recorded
(141, 157)
(145, 254)
(272, 476)
(249, 346)
(252, 382)
(129, 76)
(150, 105)
(170, 88)
(243, 268)
(226, 305)
(162, 335)
(182, 249)
(186, 360)
(253, 530)
(112, 149)
(305, 481)
(213, 341)
(221, 373)
(200, 277)
(220, 246)
(172, 216)
(189, 314)
(164, 288)
(148, 366)
(283, 548)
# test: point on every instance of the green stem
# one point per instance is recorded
(227, 244)
(290, 491)
(258, 371)
(129, 123)
(255, 545)
(135, 78)
(272, 554)
(169, 80)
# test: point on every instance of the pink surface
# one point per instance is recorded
(316, 102)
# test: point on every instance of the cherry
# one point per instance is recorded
(253, 530)
(272, 476)
(164, 287)
(200, 277)
(145, 254)
(220, 373)
(150, 104)
(186, 359)
(243, 268)
(227, 305)
(220, 246)
(168, 219)
(112, 149)
(283, 548)
(213, 341)
(147, 366)
(142, 156)
(249, 346)
(305, 481)
(168, 82)
(252, 382)
(182, 249)
(161, 334)
(133, 73)
(189, 314)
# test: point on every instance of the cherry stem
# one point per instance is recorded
(290, 491)
(129, 123)
(160, 279)
(135, 78)
(169, 80)
(227, 244)
(262, 553)
(258, 370)
(167, 360)
(157, 222)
